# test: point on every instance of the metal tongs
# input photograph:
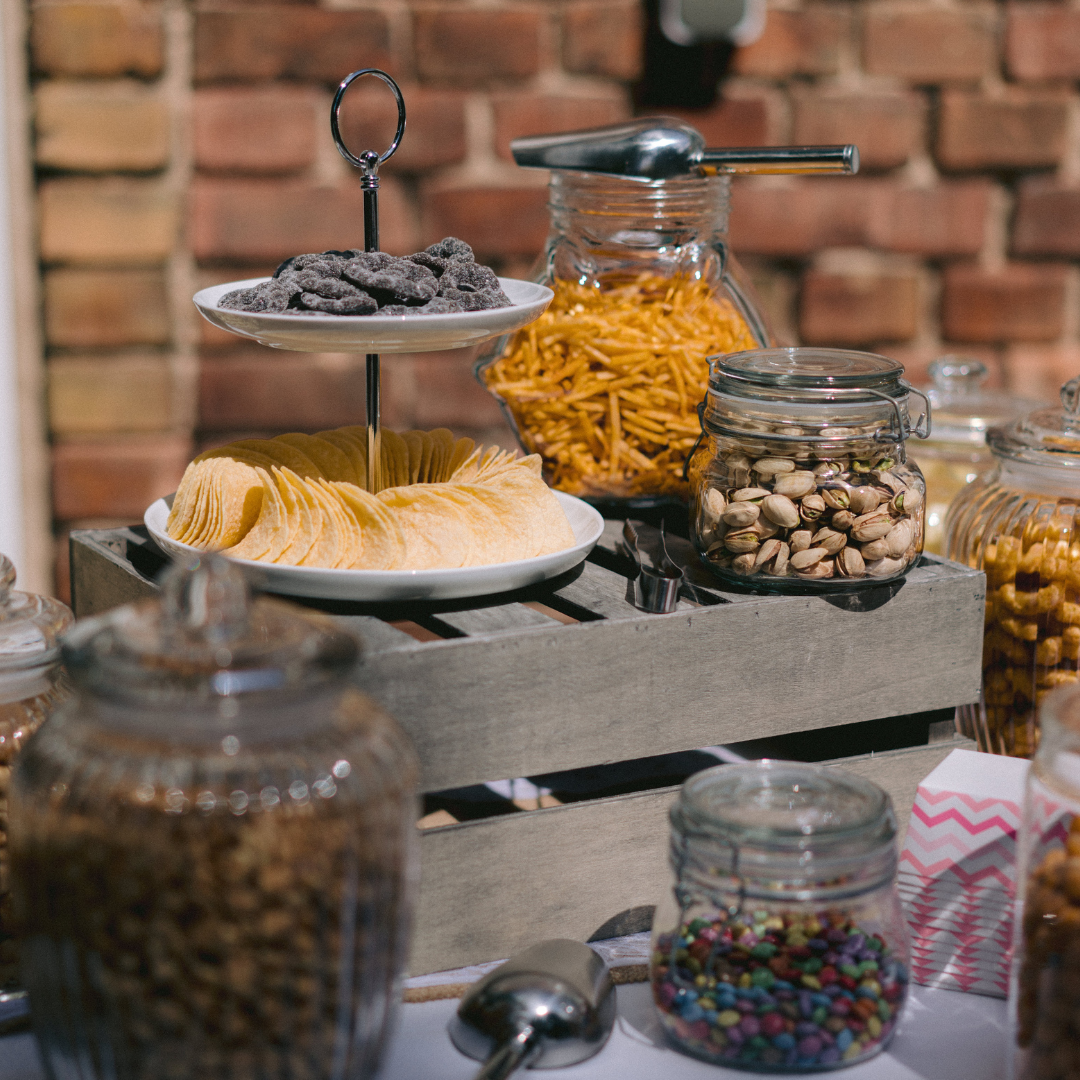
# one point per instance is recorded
(656, 588)
(661, 147)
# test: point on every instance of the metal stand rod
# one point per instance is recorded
(370, 184)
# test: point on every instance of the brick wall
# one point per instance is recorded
(182, 144)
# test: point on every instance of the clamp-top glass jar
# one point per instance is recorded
(801, 478)
(782, 947)
(32, 683)
(603, 386)
(212, 846)
(1020, 523)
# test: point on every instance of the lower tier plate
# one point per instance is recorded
(317, 581)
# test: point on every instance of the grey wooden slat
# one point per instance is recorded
(601, 591)
(501, 618)
(101, 576)
(492, 886)
(487, 708)
(375, 634)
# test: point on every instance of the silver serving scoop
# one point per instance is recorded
(550, 1006)
(660, 147)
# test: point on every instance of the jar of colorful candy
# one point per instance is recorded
(782, 945)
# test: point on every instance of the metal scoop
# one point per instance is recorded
(660, 147)
(550, 1006)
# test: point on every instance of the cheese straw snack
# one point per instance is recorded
(605, 384)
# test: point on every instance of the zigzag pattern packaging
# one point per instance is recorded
(957, 875)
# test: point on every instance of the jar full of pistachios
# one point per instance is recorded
(801, 479)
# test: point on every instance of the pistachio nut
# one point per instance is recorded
(800, 539)
(811, 507)
(781, 510)
(843, 520)
(741, 514)
(831, 540)
(860, 466)
(749, 494)
(849, 563)
(714, 503)
(768, 467)
(743, 564)
(836, 498)
(907, 501)
(765, 528)
(900, 536)
(893, 484)
(872, 526)
(795, 484)
(862, 500)
(741, 541)
(780, 561)
(767, 551)
(824, 569)
(884, 464)
(884, 567)
(876, 549)
(826, 470)
(803, 560)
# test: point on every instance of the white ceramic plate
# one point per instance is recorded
(406, 584)
(376, 333)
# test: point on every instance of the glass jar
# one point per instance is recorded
(604, 385)
(956, 451)
(782, 947)
(1018, 523)
(1044, 997)
(213, 845)
(32, 682)
(801, 479)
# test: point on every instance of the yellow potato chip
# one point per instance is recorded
(239, 493)
(463, 449)
(270, 529)
(335, 546)
(395, 459)
(330, 460)
(382, 542)
(309, 520)
(354, 450)
(278, 451)
(443, 450)
(437, 533)
(415, 441)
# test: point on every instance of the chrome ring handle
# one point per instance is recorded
(369, 160)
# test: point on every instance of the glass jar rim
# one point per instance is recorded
(805, 373)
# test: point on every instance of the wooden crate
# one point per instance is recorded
(569, 675)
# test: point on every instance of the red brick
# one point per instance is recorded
(858, 308)
(477, 46)
(273, 41)
(266, 221)
(434, 135)
(269, 129)
(94, 308)
(1018, 131)
(448, 395)
(1022, 302)
(116, 478)
(541, 114)
(887, 128)
(600, 37)
(496, 221)
(931, 45)
(1038, 372)
(1047, 219)
(806, 42)
(281, 391)
(742, 121)
(1043, 41)
(949, 218)
(97, 39)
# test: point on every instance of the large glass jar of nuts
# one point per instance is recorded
(1020, 524)
(605, 384)
(801, 479)
(212, 845)
(1044, 1005)
(782, 946)
(32, 683)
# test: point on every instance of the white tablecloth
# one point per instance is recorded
(943, 1036)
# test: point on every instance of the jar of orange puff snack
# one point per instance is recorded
(1020, 523)
(605, 385)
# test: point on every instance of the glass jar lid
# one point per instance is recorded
(964, 408)
(30, 625)
(1048, 438)
(205, 640)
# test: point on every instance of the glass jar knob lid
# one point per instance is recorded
(30, 625)
(1047, 437)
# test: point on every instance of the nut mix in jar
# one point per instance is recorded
(782, 946)
(605, 384)
(1018, 523)
(1045, 992)
(213, 845)
(32, 683)
(801, 477)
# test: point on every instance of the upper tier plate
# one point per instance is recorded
(376, 333)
